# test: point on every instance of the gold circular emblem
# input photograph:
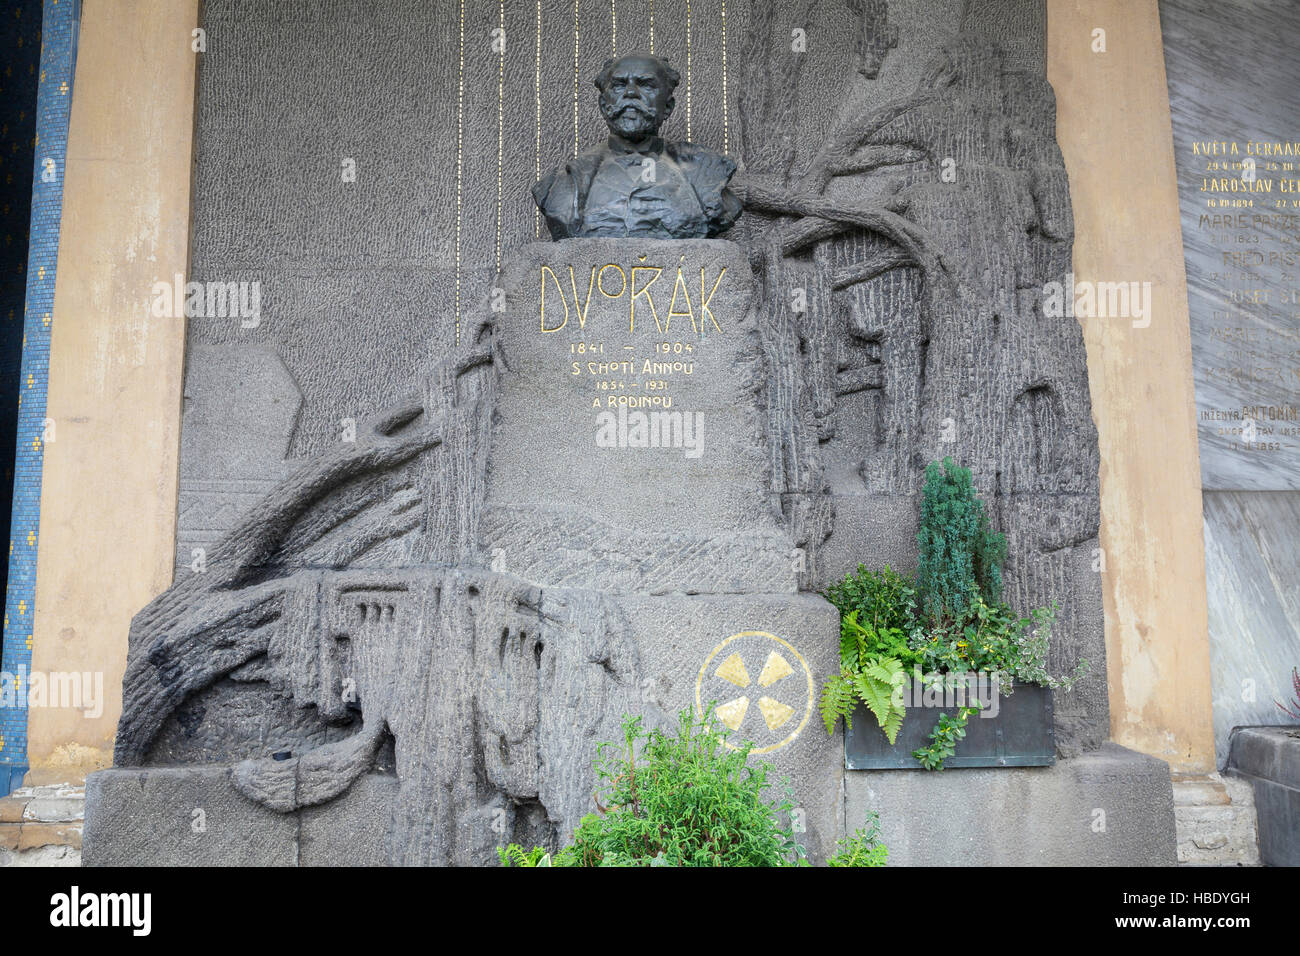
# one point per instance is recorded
(783, 701)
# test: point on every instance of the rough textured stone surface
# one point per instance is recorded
(1110, 807)
(465, 592)
(351, 831)
(1215, 819)
(1269, 759)
(181, 816)
(146, 818)
(924, 333)
(241, 405)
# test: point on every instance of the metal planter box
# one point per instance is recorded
(1019, 736)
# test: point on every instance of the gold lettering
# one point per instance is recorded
(705, 300)
(582, 313)
(644, 291)
(558, 288)
(600, 281)
(672, 306)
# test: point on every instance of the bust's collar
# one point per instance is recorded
(654, 144)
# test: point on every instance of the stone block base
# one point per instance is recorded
(1269, 758)
(193, 816)
(1109, 807)
(1113, 807)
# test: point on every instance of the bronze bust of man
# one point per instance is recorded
(637, 184)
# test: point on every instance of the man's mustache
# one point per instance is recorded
(641, 109)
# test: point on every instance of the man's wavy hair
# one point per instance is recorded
(670, 74)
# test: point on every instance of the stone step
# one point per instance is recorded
(42, 826)
(1215, 820)
(1199, 790)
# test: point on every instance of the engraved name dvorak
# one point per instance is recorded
(641, 288)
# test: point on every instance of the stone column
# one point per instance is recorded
(108, 506)
(1114, 128)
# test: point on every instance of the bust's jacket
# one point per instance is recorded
(562, 193)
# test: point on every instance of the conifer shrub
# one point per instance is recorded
(961, 556)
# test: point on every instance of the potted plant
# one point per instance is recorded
(942, 642)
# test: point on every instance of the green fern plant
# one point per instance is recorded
(839, 697)
(872, 655)
(515, 855)
(875, 684)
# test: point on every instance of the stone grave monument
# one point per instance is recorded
(620, 485)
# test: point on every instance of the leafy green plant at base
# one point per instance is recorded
(687, 799)
(943, 739)
(960, 553)
(863, 848)
(515, 855)
(681, 799)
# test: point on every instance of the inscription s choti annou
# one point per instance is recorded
(635, 284)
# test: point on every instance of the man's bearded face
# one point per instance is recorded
(636, 98)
